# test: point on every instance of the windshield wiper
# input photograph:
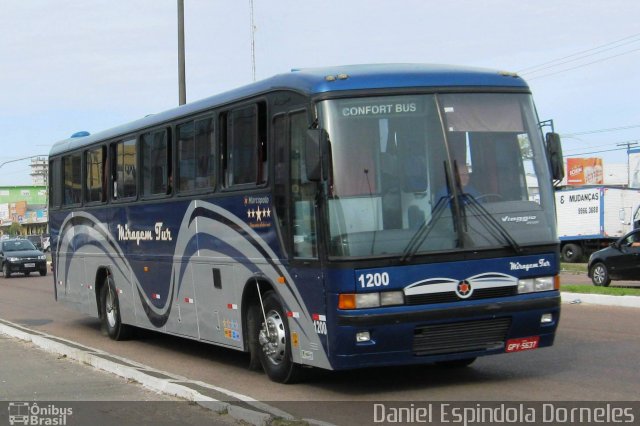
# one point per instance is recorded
(490, 223)
(424, 230)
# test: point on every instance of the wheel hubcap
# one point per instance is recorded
(598, 274)
(273, 338)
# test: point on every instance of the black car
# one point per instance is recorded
(619, 261)
(18, 255)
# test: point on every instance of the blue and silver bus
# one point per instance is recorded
(338, 218)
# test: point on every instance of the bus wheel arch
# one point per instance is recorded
(252, 317)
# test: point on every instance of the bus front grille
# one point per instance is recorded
(459, 337)
(450, 296)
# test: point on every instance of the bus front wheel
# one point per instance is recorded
(110, 312)
(274, 341)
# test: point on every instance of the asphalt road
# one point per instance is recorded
(594, 358)
(582, 278)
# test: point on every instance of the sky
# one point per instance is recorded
(71, 65)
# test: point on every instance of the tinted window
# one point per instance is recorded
(71, 171)
(54, 183)
(245, 143)
(196, 155)
(155, 163)
(95, 183)
(303, 192)
(125, 169)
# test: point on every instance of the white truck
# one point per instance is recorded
(590, 218)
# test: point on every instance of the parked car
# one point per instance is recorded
(19, 255)
(619, 261)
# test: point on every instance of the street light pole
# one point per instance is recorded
(27, 158)
(182, 89)
(628, 145)
(20, 159)
(253, 43)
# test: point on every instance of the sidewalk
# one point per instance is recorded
(54, 388)
(221, 406)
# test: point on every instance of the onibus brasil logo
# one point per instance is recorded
(30, 413)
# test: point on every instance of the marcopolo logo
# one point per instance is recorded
(26, 413)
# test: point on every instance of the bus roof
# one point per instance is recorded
(314, 81)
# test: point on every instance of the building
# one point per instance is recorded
(39, 171)
(25, 205)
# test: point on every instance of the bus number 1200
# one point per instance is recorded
(373, 280)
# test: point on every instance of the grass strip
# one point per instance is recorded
(610, 291)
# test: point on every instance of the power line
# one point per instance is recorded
(611, 129)
(577, 59)
(528, 69)
(601, 145)
(583, 65)
(595, 152)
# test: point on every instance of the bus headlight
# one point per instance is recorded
(390, 298)
(348, 301)
(531, 285)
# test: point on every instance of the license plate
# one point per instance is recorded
(29, 265)
(522, 344)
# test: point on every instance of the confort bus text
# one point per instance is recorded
(363, 110)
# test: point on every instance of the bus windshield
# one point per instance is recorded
(415, 174)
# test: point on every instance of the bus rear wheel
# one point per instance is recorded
(110, 312)
(274, 341)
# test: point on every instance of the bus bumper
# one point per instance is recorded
(432, 333)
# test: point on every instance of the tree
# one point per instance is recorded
(15, 229)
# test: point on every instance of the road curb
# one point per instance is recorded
(222, 401)
(601, 299)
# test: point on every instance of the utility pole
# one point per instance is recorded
(182, 88)
(628, 145)
(253, 43)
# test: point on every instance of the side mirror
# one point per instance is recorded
(554, 154)
(314, 140)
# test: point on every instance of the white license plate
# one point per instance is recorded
(29, 265)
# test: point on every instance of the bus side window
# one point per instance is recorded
(303, 193)
(243, 137)
(94, 179)
(155, 163)
(281, 177)
(124, 169)
(71, 178)
(55, 193)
